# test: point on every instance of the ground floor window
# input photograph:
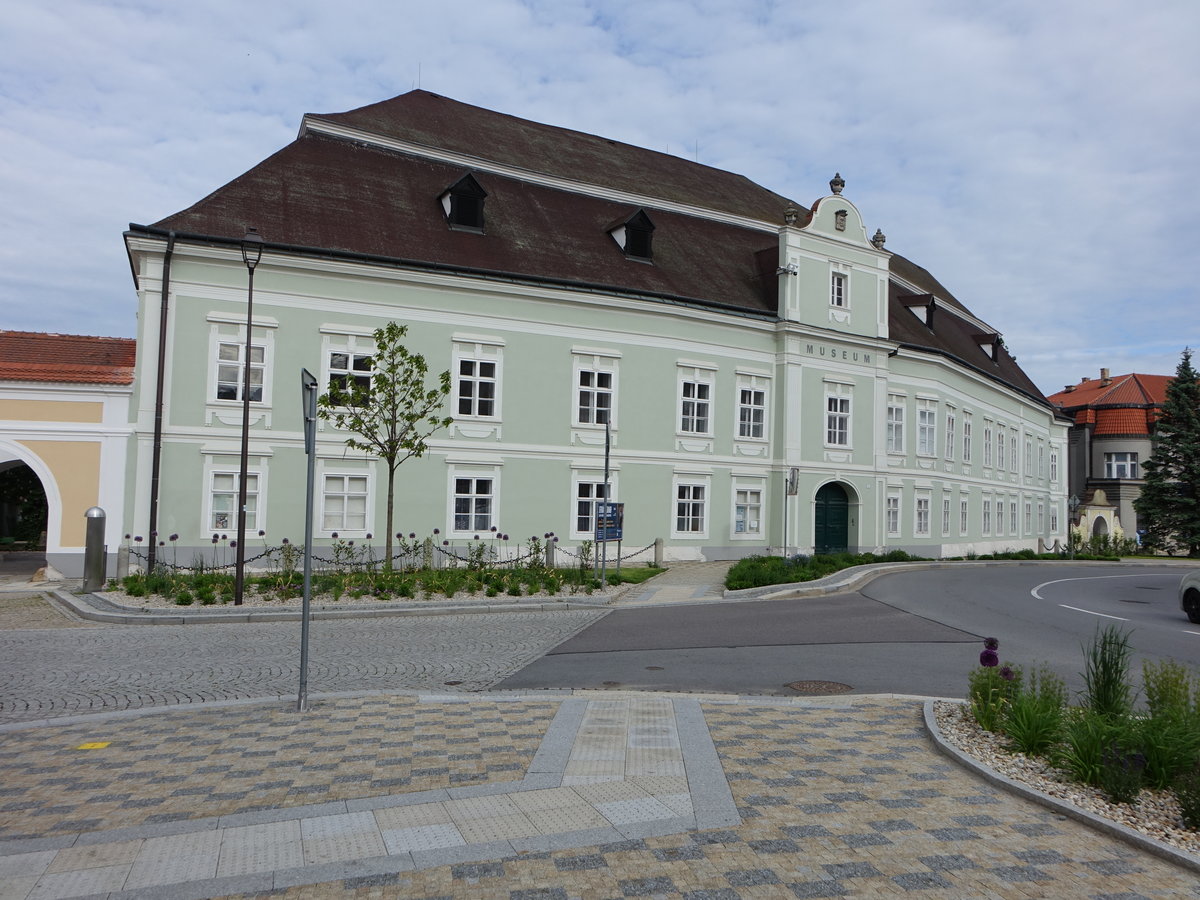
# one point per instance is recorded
(223, 501)
(344, 503)
(689, 508)
(587, 493)
(746, 512)
(473, 504)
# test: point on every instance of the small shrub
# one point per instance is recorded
(1087, 735)
(183, 598)
(1169, 743)
(1186, 789)
(1106, 673)
(1168, 687)
(1034, 716)
(990, 690)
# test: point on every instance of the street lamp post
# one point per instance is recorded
(252, 248)
(1072, 505)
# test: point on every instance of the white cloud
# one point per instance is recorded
(1037, 158)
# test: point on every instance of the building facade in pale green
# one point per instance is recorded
(770, 378)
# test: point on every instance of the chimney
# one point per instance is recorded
(1069, 388)
(1104, 379)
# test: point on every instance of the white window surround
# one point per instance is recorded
(927, 444)
(695, 390)
(1000, 431)
(837, 412)
(594, 378)
(351, 343)
(587, 486)
(988, 436)
(950, 432)
(1121, 465)
(966, 445)
(987, 516)
(751, 422)
(945, 514)
(921, 515)
(356, 493)
(748, 505)
(895, 423)
(465, 387)
(691, 497)
(475, 491)
(892, 514)
(839, 289)
(1012, 452)
(233, 333)
(222, 479)
(964, 521)
(1053, 466)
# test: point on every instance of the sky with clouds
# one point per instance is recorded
(1039, 158)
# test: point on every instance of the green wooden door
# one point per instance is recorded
(831, 530)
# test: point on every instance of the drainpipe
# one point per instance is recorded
(156, 452)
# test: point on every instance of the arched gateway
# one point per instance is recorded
(831, 519)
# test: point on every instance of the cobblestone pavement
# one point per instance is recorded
(54, 672)
(36, 611)
(833, 797)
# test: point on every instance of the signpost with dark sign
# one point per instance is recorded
(610, 518)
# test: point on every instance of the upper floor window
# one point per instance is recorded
(1054, 467)
(837, 421)
(837, 289)
(463, 204)
(595, 396)
(966, 454)
(1120, 465)
(926, 428)
(1041, 460)
(950, 435)
(476, 387)
(752, 404)
(1028, 456)
(987, 444)
(695, 399)
(231, 375)
(1000, 447)
(1012, 452)
(895, 424)
(349, 377)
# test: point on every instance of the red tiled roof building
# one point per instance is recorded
(1111, 436)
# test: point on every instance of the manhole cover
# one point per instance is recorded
(816, 688)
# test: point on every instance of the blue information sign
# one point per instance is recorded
(610, 519)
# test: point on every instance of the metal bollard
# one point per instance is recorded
(94, 552)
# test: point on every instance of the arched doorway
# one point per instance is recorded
(1100, 527)
(831, 520)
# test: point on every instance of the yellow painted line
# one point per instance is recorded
(94, 745)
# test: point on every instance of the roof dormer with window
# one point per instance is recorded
(462, 204)
(635, 236)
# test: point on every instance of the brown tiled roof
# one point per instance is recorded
(1134, 389)
(65, 358)
(324, 194)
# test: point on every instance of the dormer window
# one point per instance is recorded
(463, 204)
(922, 306)
(635, 236)
(990, 344)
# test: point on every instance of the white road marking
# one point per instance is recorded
(1090, 613)
(1035, 590)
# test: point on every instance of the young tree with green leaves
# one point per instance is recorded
(392, 412)
(1169, 506)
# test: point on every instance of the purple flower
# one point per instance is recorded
(506, 537)
(555, 538)
(493, 528)
(126, 537)
(437, 531)
(546, 535)
(445, 543)
(1008, 674)
(412, 535)
(399, 535)
(138, 539)
(215, 539)
(991, 643)
(988, 659)
(350, 543)
(162, 543)
(286, 541)
(173, 537)
(334, 535)
(233, 543)
(476, 537)
(261, 533)
(368, 535)
(224, 537)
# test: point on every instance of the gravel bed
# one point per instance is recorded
(1154, 814)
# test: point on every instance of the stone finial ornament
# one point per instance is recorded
(837, 183)
(878, 239)
(790, 215)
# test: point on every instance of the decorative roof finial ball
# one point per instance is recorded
(878, 239)
(837, 183)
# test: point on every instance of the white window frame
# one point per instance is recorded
(255, 491)
(690, 490)
(352, 343)
(757, 387)
(927, 443)
(1028, 517)
(748, 500)
(1028, 456)
(232, 332)
(964, 513)
(988, 437)
(986, 516)
(1041, 519)
(594, 480)
(598, 364)
(921, 516)
(966, 445)
(475, 475)
(839, 289)
(1041, 454)
(951, 438)
(1012, 452)
(1013, 517)
(895, 423)
(1000, 435)
(892, 514)
(1053, 466)
(1054, 518)
(838, 409)
(1122, 464)
(945, 515)
(479, 351)
(695, 390)
(367, 494)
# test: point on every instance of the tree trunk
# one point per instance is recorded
(387, 563)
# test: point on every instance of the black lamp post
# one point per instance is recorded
(252, 248)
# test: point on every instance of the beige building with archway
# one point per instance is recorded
(64, 413)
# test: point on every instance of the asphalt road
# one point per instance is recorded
(911, 633)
